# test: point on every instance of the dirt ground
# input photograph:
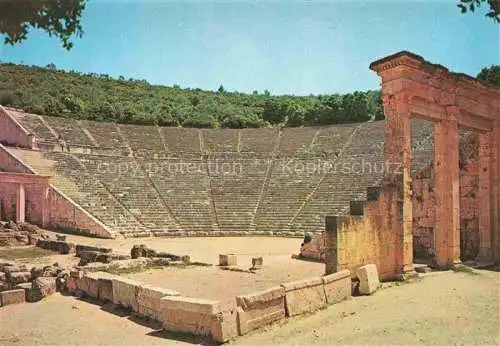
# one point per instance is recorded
(443, 308)
(209, 282)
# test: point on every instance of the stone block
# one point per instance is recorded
(125, 292)
(227, 260)
(106, 288)
(41, 287)
(337, 286)
(258, 309)
(10, 297)
(368, 279)
(225, 325)
(79, 248)
(199, 317)
(304, 296)
(148, 300)
(257, 262)
(18, 277)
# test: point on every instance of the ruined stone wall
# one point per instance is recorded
(424, 206)
(12, 132)
(374, 237)
(66, 215)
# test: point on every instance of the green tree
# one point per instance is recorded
(490, 75)
(471, 6)
(60, 18)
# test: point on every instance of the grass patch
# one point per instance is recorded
(22, 253)
(464, 269)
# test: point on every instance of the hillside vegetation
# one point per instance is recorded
(99, 97)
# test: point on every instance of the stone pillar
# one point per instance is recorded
(486, 172)
(397, 151)
(20, 204)
(447, 194)
(45, 205)
(331, 259)
(495, 191)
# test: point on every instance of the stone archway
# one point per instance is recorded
(413, 87)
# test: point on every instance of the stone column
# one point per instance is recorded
(447, 194)
(45, 205)
(495, 191)
(486, 172)
(397, 151)
(20, 204)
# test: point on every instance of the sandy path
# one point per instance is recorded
(442, 309)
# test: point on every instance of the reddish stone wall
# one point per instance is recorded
(12, 132)
(424, 207)
(67, 215)
(33, 197)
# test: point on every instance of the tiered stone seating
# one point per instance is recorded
(143, 139)
(70, 178)
(125, 179)
(106, 135)
(92, 195)
(185, 186)
(236, 186)
(290, 182)
(70, 131)
(329, 140)
(359, 166)
(260, 142)
(224, 140)
(34, 124)
(296, 141)
(179, 140)
(367, 139)
(422, 145)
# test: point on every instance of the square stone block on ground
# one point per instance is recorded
(227, 260)
(368, 279)
(10, 297)
(304, 296)
(337, 286)
(258, 309)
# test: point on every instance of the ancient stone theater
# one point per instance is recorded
(424, 183)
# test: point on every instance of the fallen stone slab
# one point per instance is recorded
(41, 287)
(304, 296)
(11, 268)
(337, 286)
(10, 297)
(18, 277)
(258, 309)
(79, 248)
(368, 279)
(61, 247)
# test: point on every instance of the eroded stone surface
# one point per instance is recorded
(368, 279)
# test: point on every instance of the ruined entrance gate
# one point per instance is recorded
(379, 230)
(412, 87)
